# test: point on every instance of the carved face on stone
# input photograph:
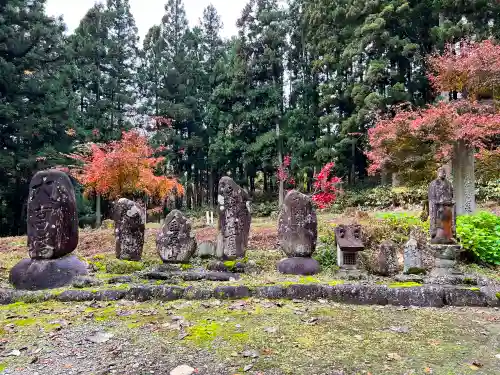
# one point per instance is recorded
(348, 237)
(52, 216)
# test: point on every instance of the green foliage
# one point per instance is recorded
(382, 197)
(489, 192)
(326, 250)
(265, 209)
(392, 226)
(480, 235)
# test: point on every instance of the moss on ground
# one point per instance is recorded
(295, 338)
(406, 284)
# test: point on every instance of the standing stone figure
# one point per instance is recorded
(386, 259)
(297, 235)
(234, 220)
(130, 222)
(441, 210)
(52, 234)
(174, 242)
(413, 263)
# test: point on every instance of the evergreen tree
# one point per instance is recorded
(36, 103)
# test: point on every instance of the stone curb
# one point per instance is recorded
(420, 296)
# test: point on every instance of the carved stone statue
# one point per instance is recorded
(129, 229)
(441, 210)
(174, 242)
(52, 235)
(52, 216)
(234, 220)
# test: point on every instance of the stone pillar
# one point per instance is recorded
(463, 178)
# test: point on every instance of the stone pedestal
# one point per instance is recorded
(299, 266)
(37, 274)
(445, 260)
(463, 178)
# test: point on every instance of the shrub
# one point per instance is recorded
(265, 209)
(326, 251)
(489, 191)
(480, 234)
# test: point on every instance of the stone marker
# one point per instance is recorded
(52, 235)
(206, 249)
(52, 216)
(297, 235)
(175, 243)
(129, 229)
(413, 264)
(234, 220)
(386, 262)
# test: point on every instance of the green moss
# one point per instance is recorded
(119, 266)
(475, 289)
(24, 322)
(204, 332)
(407, 284)
(469, 281)
(309, 280)
(336, 282)
(14, 306)
(3, 366)
(186, 267)
(230, 265)
(498, 295)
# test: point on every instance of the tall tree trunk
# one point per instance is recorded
(98, 210)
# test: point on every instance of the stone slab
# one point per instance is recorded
(38, 274)
(299, 266)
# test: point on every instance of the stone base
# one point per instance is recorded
(30, 274)
(445, 260)
(299, 266)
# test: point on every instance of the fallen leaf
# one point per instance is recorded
(402, 329)
(428, 370)
(14, 353)
(271, 329)
(393, 357)
(247, 368)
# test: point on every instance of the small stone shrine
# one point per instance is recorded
(297, 235)
(442, 225)
(175, 243)
(130, 222)
(52, 235)
(349, 243)
(234, 220)
(413, 264)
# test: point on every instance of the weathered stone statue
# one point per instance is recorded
(297, 234)
(386, 259)
(413, 263)
(174, 242)
(129, 229)
(52, 234)
(234, 220)
(441, 210)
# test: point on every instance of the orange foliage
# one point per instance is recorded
(124, 168)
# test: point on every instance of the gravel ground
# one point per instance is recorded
(260, 336)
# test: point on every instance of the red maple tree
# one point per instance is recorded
(123, 168)
(403, 140)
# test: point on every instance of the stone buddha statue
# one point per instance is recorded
(441, 210)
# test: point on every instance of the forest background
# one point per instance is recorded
(303, 78)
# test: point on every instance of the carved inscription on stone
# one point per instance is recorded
(129, 229)
(175, 243)
(234, 220)
(52, 216)
(297, 225)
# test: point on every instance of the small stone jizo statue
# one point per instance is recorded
(441, 210)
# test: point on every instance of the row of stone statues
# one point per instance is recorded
(53, 231)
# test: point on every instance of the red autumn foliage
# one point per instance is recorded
(326, 187)
(441, 125)
(283, 172)
(124, 168)
(472, 67)
(402, 140)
